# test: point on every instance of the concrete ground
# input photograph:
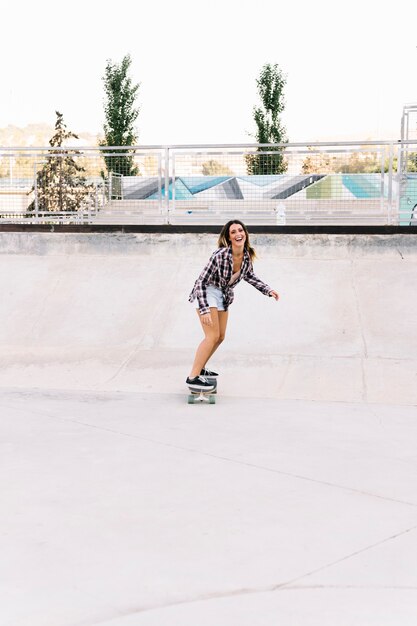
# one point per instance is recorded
(293, 500)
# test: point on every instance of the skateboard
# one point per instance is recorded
(203, 396)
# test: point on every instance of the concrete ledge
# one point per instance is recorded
(208, 228)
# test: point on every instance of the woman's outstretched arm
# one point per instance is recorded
(256, 282)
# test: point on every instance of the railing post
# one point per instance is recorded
(36, 191)
(161, 210)
(167, 165)
(390, 181)
(172, 203)
(400, 158)
(382, 185)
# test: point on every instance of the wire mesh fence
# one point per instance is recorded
(368, 183)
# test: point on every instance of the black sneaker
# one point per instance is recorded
(208, 373)
(199, 383)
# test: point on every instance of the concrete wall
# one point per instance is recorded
(110, 311)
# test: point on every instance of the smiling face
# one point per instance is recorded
(237, 237)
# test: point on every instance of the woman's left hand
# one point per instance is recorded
(274, 294)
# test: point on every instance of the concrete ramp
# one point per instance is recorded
(122, 505)
(109, 311)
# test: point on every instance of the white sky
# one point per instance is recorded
(350, 66)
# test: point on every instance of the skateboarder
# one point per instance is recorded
(213, 293)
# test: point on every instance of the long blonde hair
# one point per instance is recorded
(224, 238)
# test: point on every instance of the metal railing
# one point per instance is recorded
(316, 183)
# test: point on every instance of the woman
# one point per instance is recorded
(213, 293)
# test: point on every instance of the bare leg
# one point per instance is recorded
(213, 336)
(223, 316)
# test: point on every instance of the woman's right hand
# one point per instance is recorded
(206, 319)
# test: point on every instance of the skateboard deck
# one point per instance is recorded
(203, 396)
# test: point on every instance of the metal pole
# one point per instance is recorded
(399, 179)
(36, 192)
(172, 204)
(160, 183)
(404, 160)
(402, 124)
(382, 154)
(167, 184)
(390, 171)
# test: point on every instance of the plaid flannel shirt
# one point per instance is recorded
(218, 273)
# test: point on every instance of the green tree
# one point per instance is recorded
(270, 84)
(412, 162)
(61, 184)
(120, 115)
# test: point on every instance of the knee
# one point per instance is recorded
(213, 339)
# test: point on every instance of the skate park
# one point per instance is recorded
(129, 137)
(292, 499)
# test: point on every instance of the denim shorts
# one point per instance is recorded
(214, 298)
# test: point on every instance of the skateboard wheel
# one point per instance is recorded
(190, 399)
(212, 400)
